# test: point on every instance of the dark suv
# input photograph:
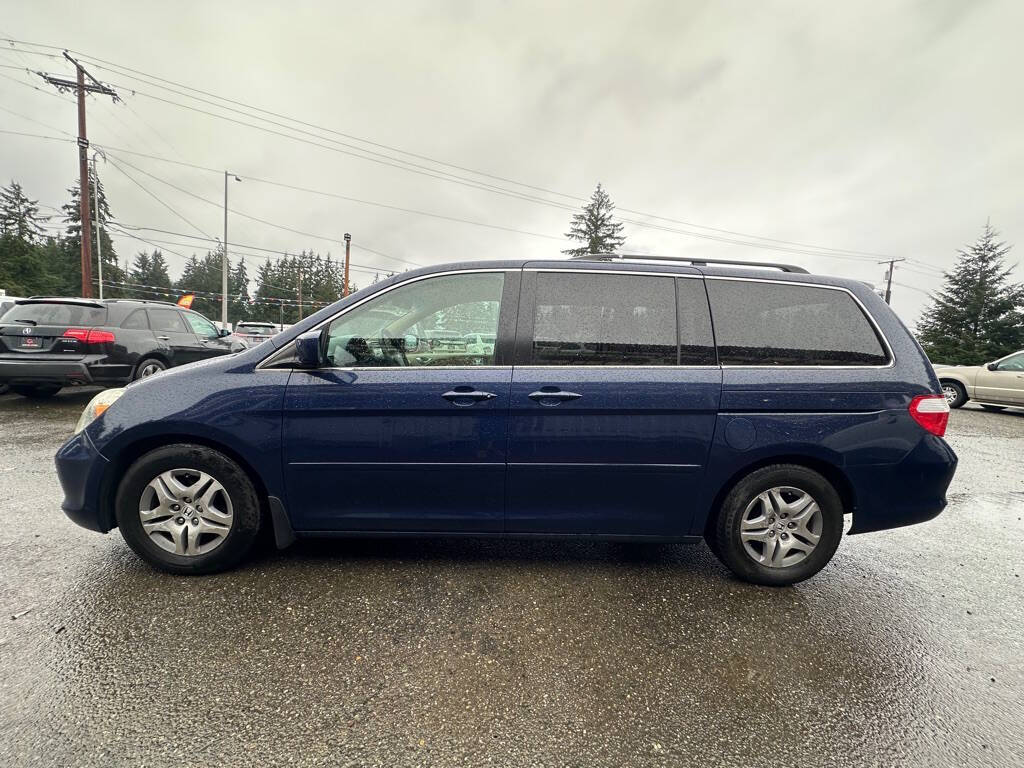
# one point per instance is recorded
(50, 343)
(621, 399)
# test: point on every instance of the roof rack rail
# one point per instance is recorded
(696, 262)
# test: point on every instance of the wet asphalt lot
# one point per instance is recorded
(907, 650)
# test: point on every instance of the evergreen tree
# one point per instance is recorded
(239, 305)
(595, 227)
(978, 315)
(150, 270)
(71, 262)
(19, 216)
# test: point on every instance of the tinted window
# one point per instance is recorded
(167, 321)
(696, 344)
(201, 326)
(56, 313)
(136, 320)
(588, 319)
(766, 323)
(427, 322)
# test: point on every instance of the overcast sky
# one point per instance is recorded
(884, 127)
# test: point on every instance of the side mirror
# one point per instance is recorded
(223, 332)
(992, 366)
(308, 350)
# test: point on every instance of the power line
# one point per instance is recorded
(155, 197)
(795, 246)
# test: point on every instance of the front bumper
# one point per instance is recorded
(911, 491)
(80, 470)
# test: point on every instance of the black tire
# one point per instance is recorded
(728, 545)
(148, 367)
(994, 408)
(246, 514)
(955, 394)
(36, 391)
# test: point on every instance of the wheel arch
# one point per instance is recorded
(827, 469)
(163, 358)
(130, 453)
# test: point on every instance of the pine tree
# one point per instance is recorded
(978, 315)
(595, 227)
(19, 216)
(71, 266)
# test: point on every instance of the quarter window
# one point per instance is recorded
(767, 323)
(589, 319)
(441, 321)
(136, 320)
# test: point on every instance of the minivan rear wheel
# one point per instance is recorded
(188, 509)
(779, 525)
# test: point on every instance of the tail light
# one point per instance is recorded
(90, 335)
(931, 412)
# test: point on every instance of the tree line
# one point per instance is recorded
(40, 255)
(977, 316)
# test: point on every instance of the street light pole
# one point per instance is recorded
(99, 232)
(224, 258)
(348, 244)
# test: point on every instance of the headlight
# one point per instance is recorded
(97, 406)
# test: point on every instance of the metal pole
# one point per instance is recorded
(300, 293)
(99, 232)
(224, 261)
(348, 244)
(83, 191)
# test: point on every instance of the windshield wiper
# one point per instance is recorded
(27, 322)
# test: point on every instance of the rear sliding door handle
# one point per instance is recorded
(467, 396)
(164, 338)
(553, 398)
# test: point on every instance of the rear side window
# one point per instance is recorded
(588, 319)
(167, 321)
(766, 323)
(136, 321)
(56, 313)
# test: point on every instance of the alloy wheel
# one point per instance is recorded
(781, 527)
(950, 392)
(186, 512)
(149, 369)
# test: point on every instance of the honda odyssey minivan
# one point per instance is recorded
(631, 398)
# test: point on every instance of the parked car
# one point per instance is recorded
(610, 407)
(6, 302)
(994, 385)
(50, 343)
(254, 332)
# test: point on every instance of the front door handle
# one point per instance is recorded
(164, 338)
(467, 396)
(553, 397)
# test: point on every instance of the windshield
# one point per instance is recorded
(55, 313)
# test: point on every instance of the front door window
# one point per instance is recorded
(450, 320)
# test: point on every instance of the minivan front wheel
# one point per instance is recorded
(188, 509)
(954, 393)
(779, 525)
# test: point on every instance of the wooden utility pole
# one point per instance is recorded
(80, 88)
(348, 245)
(888, 278)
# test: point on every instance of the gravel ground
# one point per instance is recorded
(906, 650)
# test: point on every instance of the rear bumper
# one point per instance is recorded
(911, 491)
(66, 373)
(80, 469)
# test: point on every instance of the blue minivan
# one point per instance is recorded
(635, 398)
